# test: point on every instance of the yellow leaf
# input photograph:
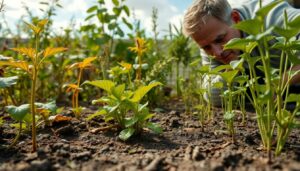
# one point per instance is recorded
(34, 28)
(30, 52)
(127, 66)
(42, 23)
(140, 46)
(17, 64)
(73, 87)
(75, 65)
(87, 62)
(52, 51)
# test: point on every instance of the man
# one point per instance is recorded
(208, 23)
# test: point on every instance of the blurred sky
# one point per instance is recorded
(169, 11)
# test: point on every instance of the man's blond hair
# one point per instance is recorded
(198, 12)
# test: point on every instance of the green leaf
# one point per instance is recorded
(98, 113)
(295, 22)
(116, 2)
(130, 121)
(237, 43)
(142, 91)
(263, 11)
(18, 112)
(103, 84)
(237, 64)
(49, 106)
(127, 23)
(293, 98)
(126, 9)
(241, 79)
(126, 133)
(154, 127)
(229, 75)
(287, 33)
(118, 91)
(252, 27)
(8, 81)
(92, 9)
(220, 68)
(228, 116)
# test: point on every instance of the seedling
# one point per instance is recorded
(32, 68)
(75, 88)
(267, 97)
(123, 107)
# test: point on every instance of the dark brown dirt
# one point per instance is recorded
(72, 145)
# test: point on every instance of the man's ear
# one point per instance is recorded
(235, 16)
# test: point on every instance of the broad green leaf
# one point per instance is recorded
(51, 106)
(295, 22)
(237, 43)
(126, 133)
(204, 69)
(18, 112)
(220, 68)
(241, 79)
(252, 27)
(103, 84)
(118, 91)
(237, 64)
(130, 121)
(98, 113)
(154, 127)
(143, 90)
(263, 11)
(8, 81)
(229, 75)
(228, 116)
(52, 51)
(293, 98)
(217, 85)
(287, 33)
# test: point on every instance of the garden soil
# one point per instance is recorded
(183, 145)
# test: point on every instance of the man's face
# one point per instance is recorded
(213, 36)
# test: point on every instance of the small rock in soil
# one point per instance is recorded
(174, 122)
(66, 130)
(37, 165)
(31, 156)
(154, 164)
(196, 155)
(83, 155)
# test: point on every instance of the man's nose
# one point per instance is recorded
(217, 50)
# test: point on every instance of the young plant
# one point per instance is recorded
(140, 48)
(75, 88)
(267, 97)
(22, 115)
(124, 108)
(36, 58)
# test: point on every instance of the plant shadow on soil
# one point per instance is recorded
(71, 145)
